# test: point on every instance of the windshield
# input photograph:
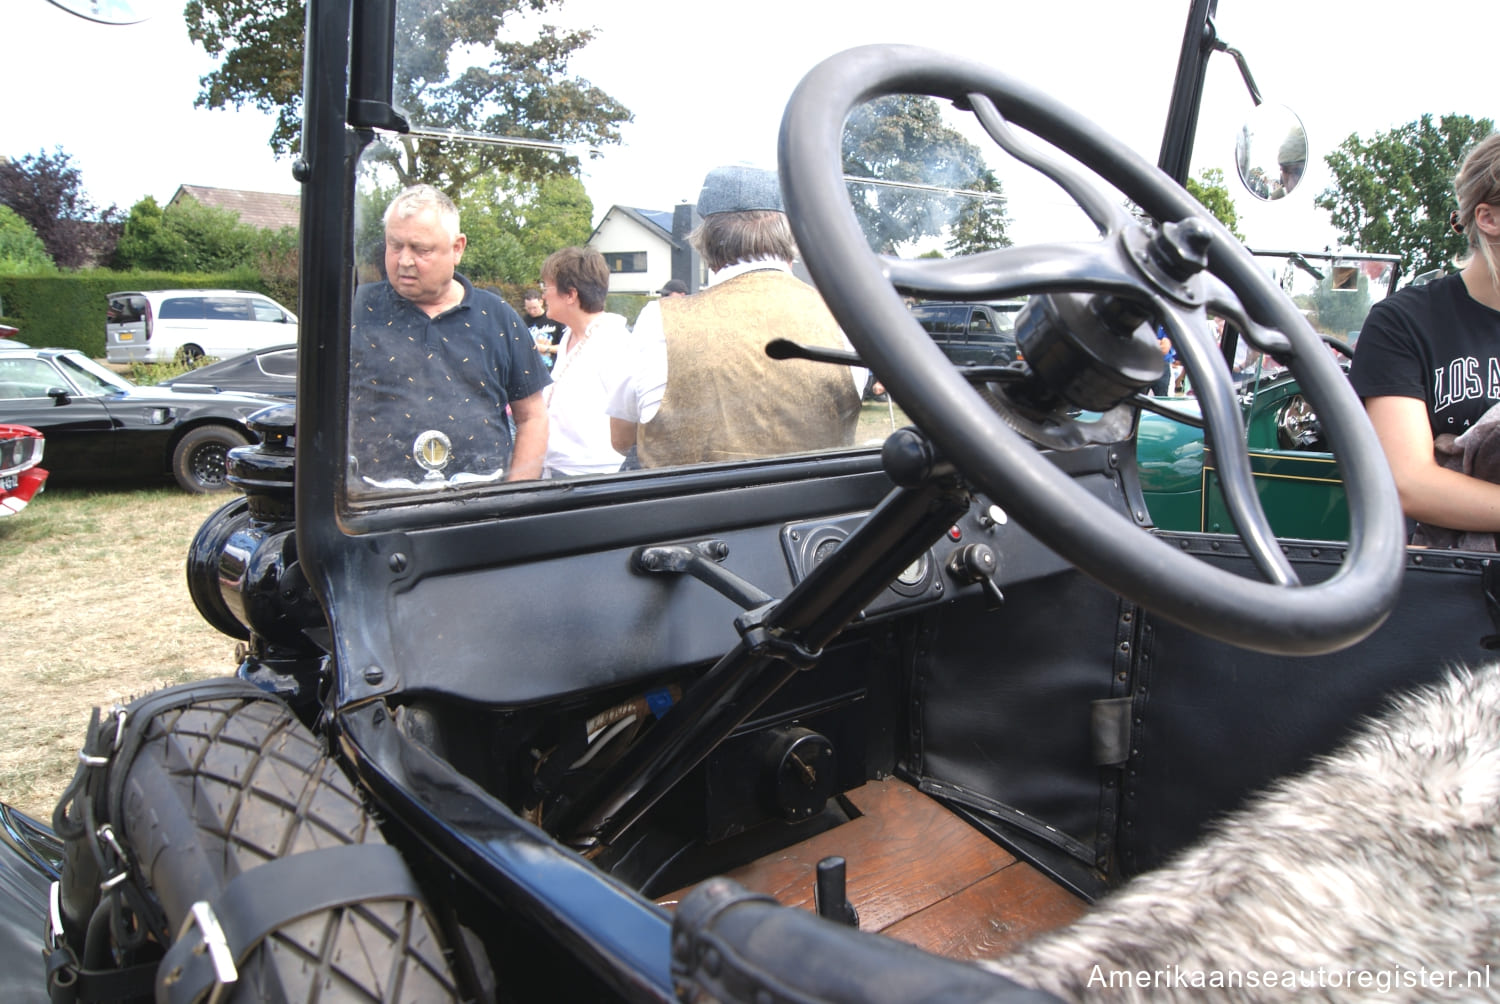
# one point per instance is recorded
(91, 378)
(450, 378)
(1334, 291)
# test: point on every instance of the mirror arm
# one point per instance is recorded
(1239, 60)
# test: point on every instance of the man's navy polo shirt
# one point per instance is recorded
(455, 374)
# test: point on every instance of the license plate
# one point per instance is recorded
(126, 336)
(8, 482)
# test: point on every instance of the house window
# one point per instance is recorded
(627, 261)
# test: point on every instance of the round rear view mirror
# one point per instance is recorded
(1271, 152)
(110, 11)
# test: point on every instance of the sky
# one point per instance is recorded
(707, 85)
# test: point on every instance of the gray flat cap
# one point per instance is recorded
(739, 189)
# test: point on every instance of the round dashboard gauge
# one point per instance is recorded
(914, 577)
(824, 548)
(915, 572)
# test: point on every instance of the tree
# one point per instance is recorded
(147, 243)
(1393, 194)
(982, 222)
(21, 250)
(47, 192)
(1210, 190)
(190, 237)
(524, 91)
(512, 232)
(902, 140)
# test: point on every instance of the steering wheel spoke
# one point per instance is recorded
(1094, 344)
(1071, 266)
(1107, 216)
(1224, 431)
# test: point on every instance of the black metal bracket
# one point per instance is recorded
(767, 643)
(700, 559)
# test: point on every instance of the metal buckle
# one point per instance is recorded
(106, 834)
(121, 716)
(214, 943)
(54, 914)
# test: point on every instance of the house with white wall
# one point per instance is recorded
(646, 247)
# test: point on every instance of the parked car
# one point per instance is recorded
(820, 726)
(30, 861)
(972, 334)
(185, 325)
(21, 479)
(1296, 478)
(100, 426)
(270, 371)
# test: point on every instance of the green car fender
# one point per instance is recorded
(1299, 486)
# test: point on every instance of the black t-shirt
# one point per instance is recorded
(1434, 342)
(453, 374)
(545, 330)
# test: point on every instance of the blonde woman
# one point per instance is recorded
(1428, 361)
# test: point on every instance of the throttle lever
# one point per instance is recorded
(977, 563)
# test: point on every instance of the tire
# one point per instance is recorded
(200, 459)
(189, 354)
(221, 787)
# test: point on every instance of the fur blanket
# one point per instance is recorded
(1374, 875)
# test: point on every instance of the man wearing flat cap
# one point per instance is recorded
(700, 387)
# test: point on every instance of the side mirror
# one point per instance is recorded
(1270, 152)
(113, 12)
(59, 395)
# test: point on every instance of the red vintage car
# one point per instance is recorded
(20, 477)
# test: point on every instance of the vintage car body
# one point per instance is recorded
(21, 450)
(270, 372)
(674, 734)
(100, 426)
(1297, 480)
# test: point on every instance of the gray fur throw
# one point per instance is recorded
(1374, 875)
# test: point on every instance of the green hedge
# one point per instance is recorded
(67, 310)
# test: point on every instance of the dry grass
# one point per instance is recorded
(95, 610)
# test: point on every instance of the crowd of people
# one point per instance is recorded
(449, 384)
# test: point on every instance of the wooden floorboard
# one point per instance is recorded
(919, 873)
(992, 916)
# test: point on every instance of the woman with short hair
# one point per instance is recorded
(575, 282)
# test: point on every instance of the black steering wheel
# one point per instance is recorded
(1096, 347)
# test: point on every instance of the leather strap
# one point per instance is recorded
(257, 902)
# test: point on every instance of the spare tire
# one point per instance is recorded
(225, 785)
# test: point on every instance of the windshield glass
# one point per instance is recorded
(530, 335)
(1333, 291)
(90, 377)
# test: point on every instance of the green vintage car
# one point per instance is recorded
(1297, 479)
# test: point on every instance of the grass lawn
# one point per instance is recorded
(96, 611)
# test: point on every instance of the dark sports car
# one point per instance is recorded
(270, 371)
(100, 426)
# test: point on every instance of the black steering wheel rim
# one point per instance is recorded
(1100, 541)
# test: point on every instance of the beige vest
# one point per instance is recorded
(725, 398)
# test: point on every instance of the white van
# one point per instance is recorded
(163, 325)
